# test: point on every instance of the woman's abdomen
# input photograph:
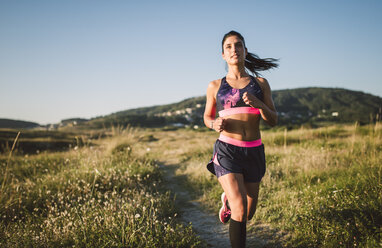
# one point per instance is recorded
(242, 127)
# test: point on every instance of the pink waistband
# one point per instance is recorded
(239, 110)
(241, 143)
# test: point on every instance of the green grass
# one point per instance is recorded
(321, 189)
(322, 186)
(89, 197)
(34, 141)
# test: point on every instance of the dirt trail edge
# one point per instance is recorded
(205, 224)
(168, 148)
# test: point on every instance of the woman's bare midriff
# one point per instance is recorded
(242, 127)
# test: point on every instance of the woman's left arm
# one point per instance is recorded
(267, 108)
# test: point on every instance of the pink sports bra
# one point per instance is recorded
(229, 100)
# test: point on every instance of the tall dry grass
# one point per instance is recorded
(322, 186)
(100, 196)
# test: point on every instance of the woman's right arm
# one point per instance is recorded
(210, 110)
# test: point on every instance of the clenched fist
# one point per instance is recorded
(253, 101)
(218, 125)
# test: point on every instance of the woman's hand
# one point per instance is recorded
(266, 106)
(218, 125)
(253, 101)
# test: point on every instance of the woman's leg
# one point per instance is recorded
(234, 188)
(252, 197)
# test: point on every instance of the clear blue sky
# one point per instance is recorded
(64, 59)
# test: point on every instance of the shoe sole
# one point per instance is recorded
(222, 208)
(222, 198)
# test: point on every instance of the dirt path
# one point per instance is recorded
(205, 224)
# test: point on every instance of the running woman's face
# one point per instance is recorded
(234, 51)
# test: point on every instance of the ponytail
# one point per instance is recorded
(254, 64)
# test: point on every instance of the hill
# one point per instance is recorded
(327, 104)
(296, 106)
(8, 123)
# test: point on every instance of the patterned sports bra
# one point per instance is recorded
(229, 100)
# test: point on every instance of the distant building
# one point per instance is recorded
(189, 110)
(72, 122)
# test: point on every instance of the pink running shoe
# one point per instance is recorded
(225, 211)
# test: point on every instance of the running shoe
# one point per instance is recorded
(225, 211)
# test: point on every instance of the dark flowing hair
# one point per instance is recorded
(253, 62)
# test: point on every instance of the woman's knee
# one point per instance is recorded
(251, 208)
(251, 213)
(239, 210)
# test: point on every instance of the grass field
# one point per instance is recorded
(32, 141)
(322, 188)
(99, 196)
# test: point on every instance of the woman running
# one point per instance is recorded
(238, 159)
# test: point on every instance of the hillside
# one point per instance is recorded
(327, 104)
(296, 106)
(8, 123)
